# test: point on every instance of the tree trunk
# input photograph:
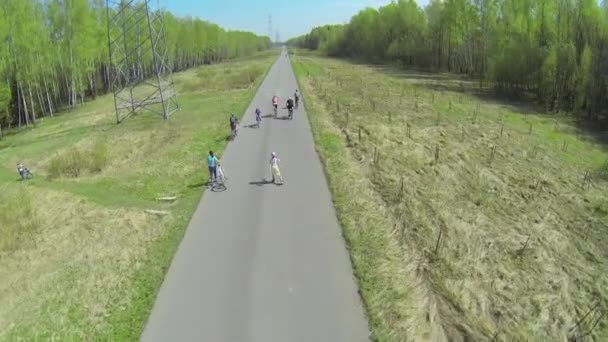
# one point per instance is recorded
(19, 111)
(29, 89)
(48, 97)
(25, 111)
(40, 101)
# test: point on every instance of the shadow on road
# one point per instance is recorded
(198, 185)
(218, 187)
(227, 138)
(261, 182)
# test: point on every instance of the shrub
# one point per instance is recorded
(99, 157)
(74, 162)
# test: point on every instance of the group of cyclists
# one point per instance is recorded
(290, 105)
(214, 164)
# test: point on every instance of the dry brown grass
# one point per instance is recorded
(521, 254)
(79, 254)
(79, 257)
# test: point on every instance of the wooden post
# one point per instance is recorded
(586, 179)
(438, 240)
(389, 117)
(438, 118)
(450, 104)
(565, 146)
(502, 127)
(433, 97)
(359, 133)
(375, 151)
(338, 106)
(463, 133)
(347, 118)
(530, 130)
(436, 153)
(401, 187)
(492, 154)
(409, 130)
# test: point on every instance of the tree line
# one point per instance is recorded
(54, 53)
(553, 50)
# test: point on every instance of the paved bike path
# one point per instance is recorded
(261, 262)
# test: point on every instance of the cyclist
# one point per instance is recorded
(21, 170)
(275, 104)
(274, 168)
(234, 122)
(258, 118)
(290, 107)
(212, 162)
(296, 96)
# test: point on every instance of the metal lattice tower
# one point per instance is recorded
(270, 27)
(137, 46)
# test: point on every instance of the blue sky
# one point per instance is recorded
(290, 17)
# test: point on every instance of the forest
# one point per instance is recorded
(553, 51)
(54, 53)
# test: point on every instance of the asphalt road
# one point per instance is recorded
(262, 262)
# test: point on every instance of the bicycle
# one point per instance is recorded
(290, 111)
(234, 133)
(25, 173)
(221, 175)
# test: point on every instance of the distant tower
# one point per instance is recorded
(270, 26)
(136, 42)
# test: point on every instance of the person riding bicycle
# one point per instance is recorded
(297, 97)
(233, 124)
(290, 106)
(258, 117)
(275, 104)
(21, 170)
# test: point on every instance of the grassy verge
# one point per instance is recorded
(79, 257)
(466, 219)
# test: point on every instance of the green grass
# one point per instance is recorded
(79, 257)
(479, 281)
